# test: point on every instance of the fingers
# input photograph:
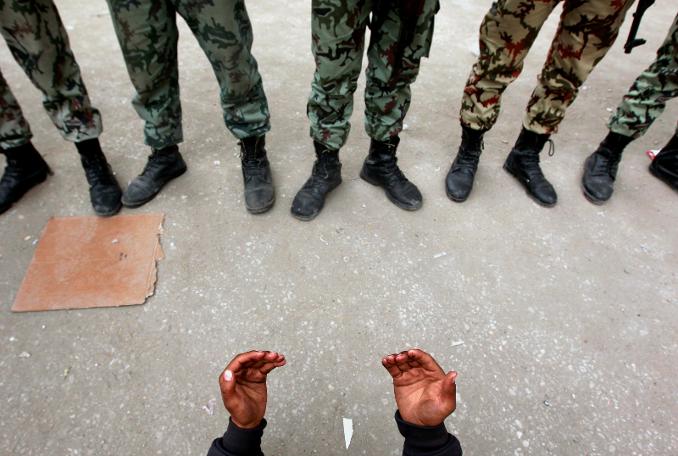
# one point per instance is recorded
(245, 361)
(424, 360)
(270, 362)
(390, 364)
(263, 361)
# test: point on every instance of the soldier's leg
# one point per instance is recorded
(338, 41)
(224, 32)
(639, 108)
(148, 35)
(401, 37)
(394, 65)
(14, 129)
(506, 36)
(586, 32)
(338, 36)
(647, 97)
(39, 43)
(25, 167)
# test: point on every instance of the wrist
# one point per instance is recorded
(246, 425)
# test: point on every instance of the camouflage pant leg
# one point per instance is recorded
(506, 36)
(648, 95)
(224, 32)
(388, 93)
(39, 43)
(338, 31)
(14, 129)
(148, 35)
(586, 32)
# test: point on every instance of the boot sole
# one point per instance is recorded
(136, 204)
(397, 203)
(592, 199)
(534, 198)
(454, 198)
(305, 218)
(110, 213)
(261, 210)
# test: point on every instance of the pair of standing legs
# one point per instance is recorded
(401, 35)
(38, 41)
(148, 35)
(586, 31)
(640, 107)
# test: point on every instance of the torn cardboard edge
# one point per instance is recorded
(92, 262)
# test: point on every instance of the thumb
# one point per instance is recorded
(450, 383)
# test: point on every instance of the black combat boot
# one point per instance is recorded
(381, 169)
(256, 172)
(665, 164)
(325, 177)
(25, 169)
(104, 190)
(523, 164)
(600, 168)
(163, 166)
(459, 182)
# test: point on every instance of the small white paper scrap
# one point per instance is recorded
(348, 431)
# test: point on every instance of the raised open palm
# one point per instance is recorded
(243, 386)
(424, 393)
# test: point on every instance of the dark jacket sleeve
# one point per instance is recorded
(239, 442)
(427, 441)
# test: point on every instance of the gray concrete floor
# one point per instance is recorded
(567, 316)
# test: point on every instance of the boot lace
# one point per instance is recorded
(156, 163)
(605, 165)
(468, 156)
(97, 171)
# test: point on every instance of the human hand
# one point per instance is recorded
(424, 393)
(243, 386)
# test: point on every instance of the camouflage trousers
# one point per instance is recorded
(400, 38)
(587, 30)
(148, 36)
(648, 95)
(38, 41)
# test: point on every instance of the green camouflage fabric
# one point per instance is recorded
(648, 95)
(38, 41)
(400, 37)
(587, 30)
(148, 35)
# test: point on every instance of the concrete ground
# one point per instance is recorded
(561, 322)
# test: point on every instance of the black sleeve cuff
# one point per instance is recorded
(245, 442)
(427, 440)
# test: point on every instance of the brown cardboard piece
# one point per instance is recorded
(84, 262)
